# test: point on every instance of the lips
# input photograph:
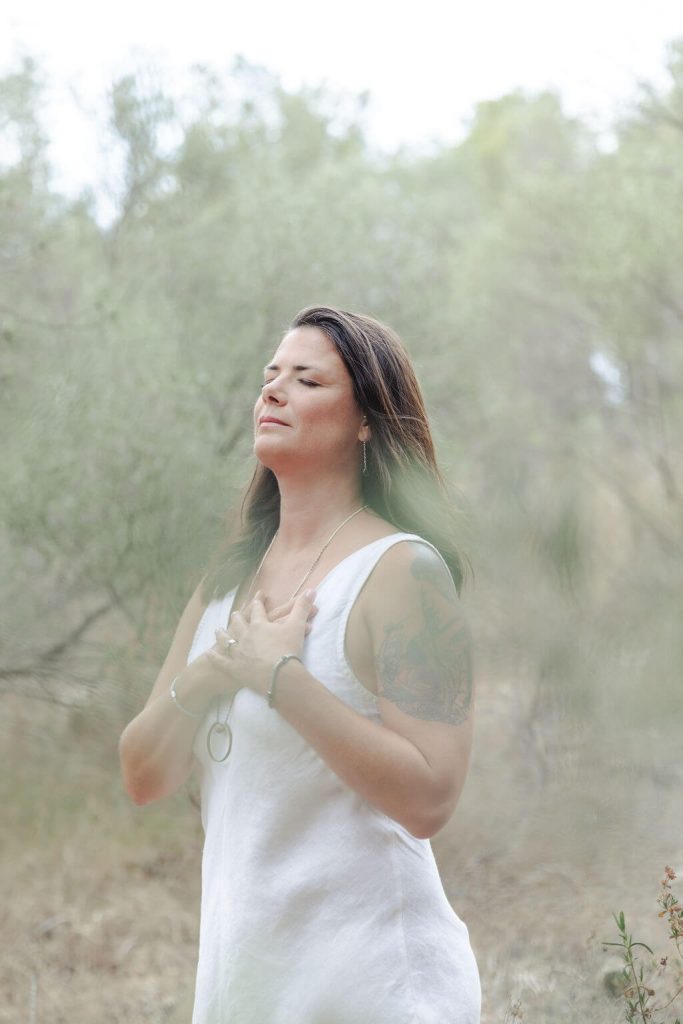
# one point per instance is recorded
(272, 419)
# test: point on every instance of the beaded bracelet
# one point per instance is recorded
(278, 664)
(174, 698)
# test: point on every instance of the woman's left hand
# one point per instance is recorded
(262, 637)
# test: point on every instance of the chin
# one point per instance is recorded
(266, 453)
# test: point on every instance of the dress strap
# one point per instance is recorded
(363, 571)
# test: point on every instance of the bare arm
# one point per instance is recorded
(413, 765)
(155, 748)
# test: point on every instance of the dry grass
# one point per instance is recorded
(102, 921)
(100, 916)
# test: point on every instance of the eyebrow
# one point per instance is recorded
(274, 366)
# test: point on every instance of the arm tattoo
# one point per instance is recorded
(427, 672)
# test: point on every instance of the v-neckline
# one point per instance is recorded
(352, 554)
(399, 533)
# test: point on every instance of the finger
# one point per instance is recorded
(265, 601)
(237, 625)
(257, 608)
(303, 605)
(281, 610)
(223, 638)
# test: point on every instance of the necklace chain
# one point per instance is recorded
(315, 562)
(222, 727)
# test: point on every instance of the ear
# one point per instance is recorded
(364, 433)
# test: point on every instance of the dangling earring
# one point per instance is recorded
(365, 460)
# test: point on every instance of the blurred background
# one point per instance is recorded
(505, 189)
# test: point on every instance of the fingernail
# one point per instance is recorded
(310, 592)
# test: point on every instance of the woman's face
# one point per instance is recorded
(308, 389)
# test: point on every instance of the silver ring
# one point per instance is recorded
(229, 642)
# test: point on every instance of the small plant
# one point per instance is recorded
(636, 993)
(637, 990)
(672, 909)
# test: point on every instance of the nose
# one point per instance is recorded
(273, 393)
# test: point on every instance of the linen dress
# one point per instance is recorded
(317, 908)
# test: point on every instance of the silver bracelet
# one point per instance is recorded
(174, 698)
(278, 665)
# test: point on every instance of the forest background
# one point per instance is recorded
(537, 280)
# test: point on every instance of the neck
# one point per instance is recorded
(310, 510)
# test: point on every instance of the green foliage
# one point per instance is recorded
(131, 355)
(535, 278)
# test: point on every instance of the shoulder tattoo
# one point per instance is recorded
(424, 663)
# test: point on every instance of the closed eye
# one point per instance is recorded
(308, 383)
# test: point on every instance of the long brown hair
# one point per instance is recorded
(403, 483)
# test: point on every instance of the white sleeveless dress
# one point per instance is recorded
(316, 907)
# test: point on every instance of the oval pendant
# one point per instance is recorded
(219, 727)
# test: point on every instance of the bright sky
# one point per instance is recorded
(425, 64)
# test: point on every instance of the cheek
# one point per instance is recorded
(331, 419)
(323, 409)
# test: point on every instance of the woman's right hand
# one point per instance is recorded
(262, 637)
(214, 670)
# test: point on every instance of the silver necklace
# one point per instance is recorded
(221, 727)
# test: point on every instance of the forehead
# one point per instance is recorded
(308, 346)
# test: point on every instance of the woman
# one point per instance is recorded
(321, 677)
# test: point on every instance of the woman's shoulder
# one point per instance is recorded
(410, 593)
(376, 528)
(416, 556)
(407, 570)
